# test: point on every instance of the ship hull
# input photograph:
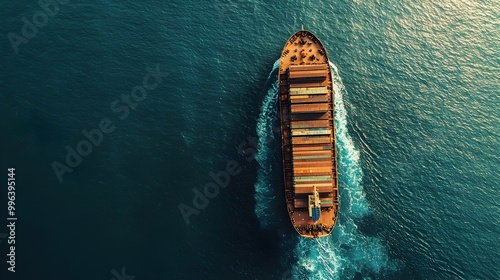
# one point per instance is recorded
(306, 105)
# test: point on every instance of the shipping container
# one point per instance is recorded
(301, 202)
(318, 173)
(310, 99)
(316, 165)
(311, 148)
(306, 83)
(312, 172)
(311, 163)
(308, 90)
(303, 162)
(313, 178)
(327, 170)
(311, 157)
(326, 202)
(309, 189)
(302, 132)
(307, 67)
(310, 124)
(310, 116)
(311, 152)
(308, 74)
(308, 108)
(311, 140)
(303, 82)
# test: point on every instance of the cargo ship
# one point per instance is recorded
(308, 135)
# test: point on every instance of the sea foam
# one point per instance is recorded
(346, 252)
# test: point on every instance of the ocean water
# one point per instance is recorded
(418, 134)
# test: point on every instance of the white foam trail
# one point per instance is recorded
(348, 156)
(347, 251)
(264, 191)
(275, 67)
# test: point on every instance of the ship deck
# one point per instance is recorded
(308, 133)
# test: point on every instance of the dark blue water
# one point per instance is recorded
(417, 113)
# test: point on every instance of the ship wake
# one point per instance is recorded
(268, 173)
(345, 254)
